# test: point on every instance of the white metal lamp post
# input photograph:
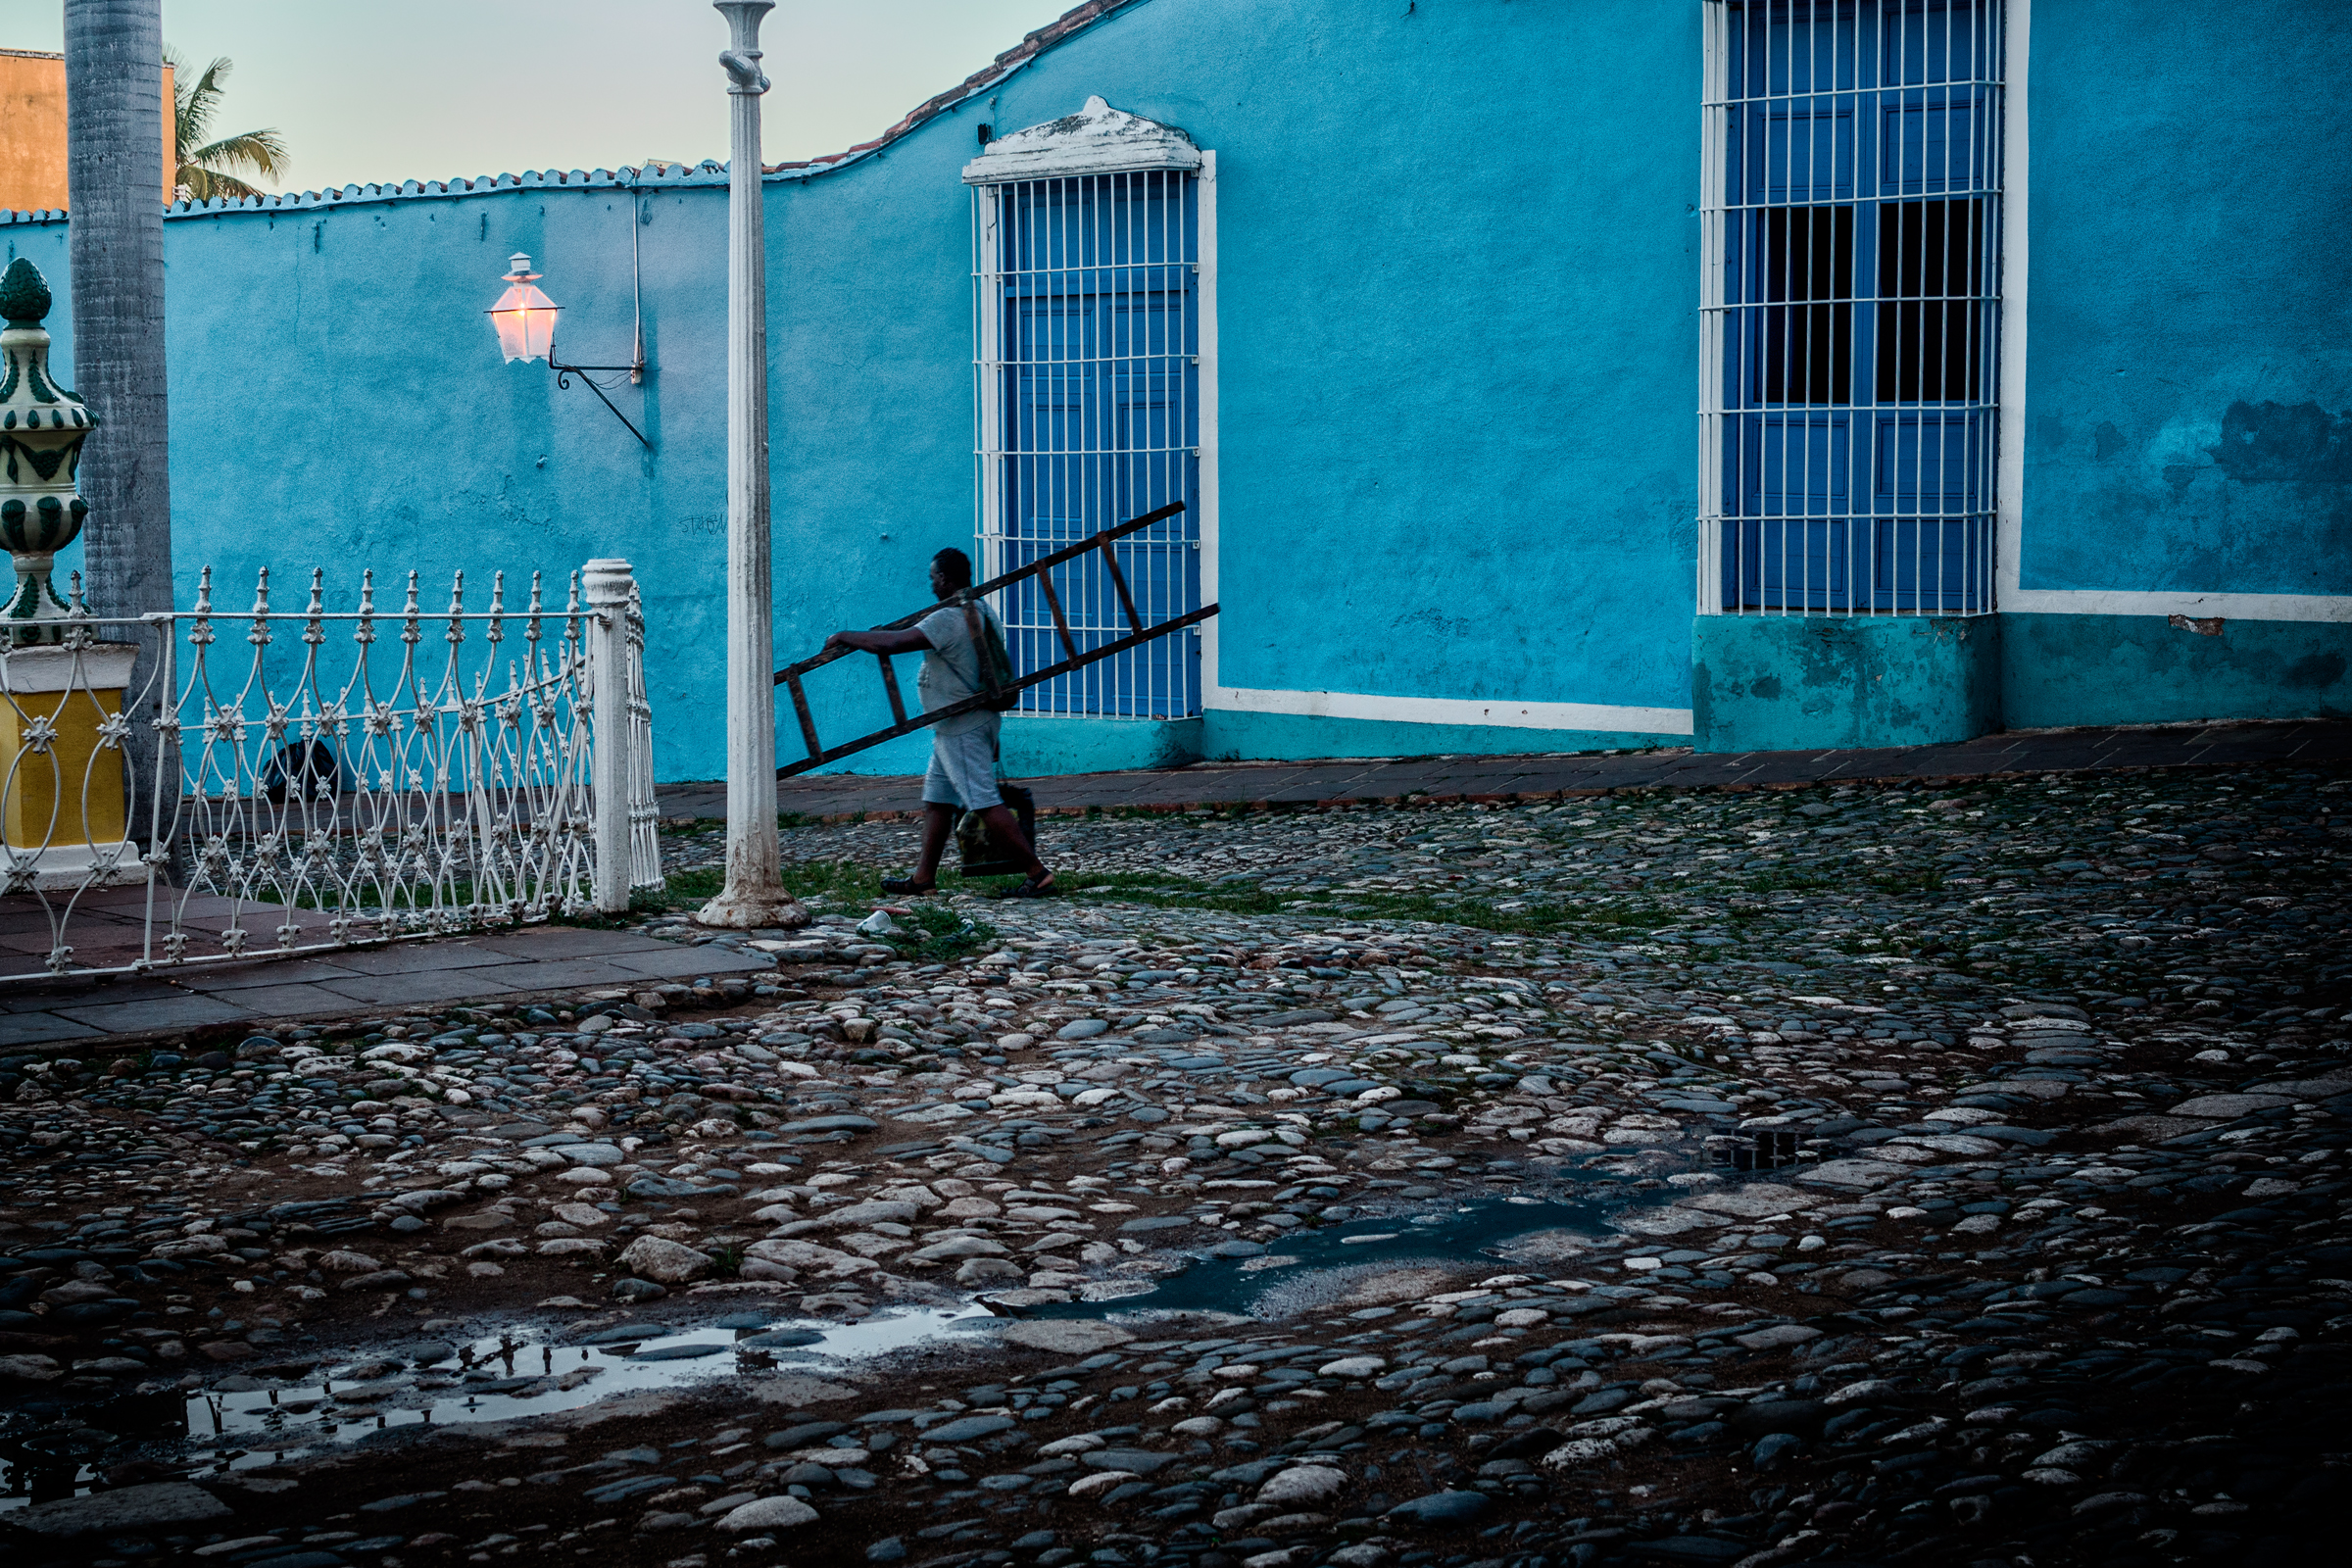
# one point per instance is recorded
(753, 895)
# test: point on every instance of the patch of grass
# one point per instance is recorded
(933, 933)
(930, 933)
(681, 890)
(838, 881)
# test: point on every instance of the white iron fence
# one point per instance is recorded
(346, 776)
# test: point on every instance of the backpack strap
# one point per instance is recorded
(985, 667)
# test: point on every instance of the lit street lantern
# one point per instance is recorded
(526, 319)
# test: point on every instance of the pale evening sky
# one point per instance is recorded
(434, 89)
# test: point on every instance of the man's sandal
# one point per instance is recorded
(1033, 888)
(907, 887)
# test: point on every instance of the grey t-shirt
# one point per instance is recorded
(952, 669)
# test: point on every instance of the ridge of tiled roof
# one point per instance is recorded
(1070, 22)
(707, 171)
(650, 176)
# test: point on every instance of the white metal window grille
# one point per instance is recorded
(1850, 305)
(1086, 326)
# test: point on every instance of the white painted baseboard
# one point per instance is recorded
(1496, 714)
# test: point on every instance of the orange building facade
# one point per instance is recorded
(33, 131)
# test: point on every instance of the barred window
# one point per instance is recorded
(1850, 305)
(1087, 337)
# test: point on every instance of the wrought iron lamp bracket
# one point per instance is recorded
(564, 373)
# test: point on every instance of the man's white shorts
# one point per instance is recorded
(963, 770)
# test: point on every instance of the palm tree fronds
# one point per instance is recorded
(203, 184)
(262, 151)
(202, 166)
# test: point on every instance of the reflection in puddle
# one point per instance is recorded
(50, 1448)
(494, 1379)
(1337, 1265)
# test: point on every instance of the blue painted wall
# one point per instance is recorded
(1456, 316)
(1456, 353)
(1455, 339)
(2189, 412)
(338, 399)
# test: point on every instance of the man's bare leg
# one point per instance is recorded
(937, 822)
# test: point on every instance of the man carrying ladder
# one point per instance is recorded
(964, 746)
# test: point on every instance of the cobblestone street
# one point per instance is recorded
(1846, 1174)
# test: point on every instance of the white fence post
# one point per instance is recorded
(610, 590)
(645, 812)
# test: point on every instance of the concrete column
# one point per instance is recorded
(753, 895)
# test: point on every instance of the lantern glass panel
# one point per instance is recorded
(525, 319)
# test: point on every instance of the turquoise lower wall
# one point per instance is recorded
(1787, 683)
(1035, 744)
(1775, 683)
(1762, 683)
(2059, 671)
(1229, 736)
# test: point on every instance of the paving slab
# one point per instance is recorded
(410, 973)
(425, 954)
(268, 974)
(285, 1001)
(543, 942)
(667, 959)
(39, 1028)
(556, 975)
(411, 987)
(1546, 773)
(185, 1010)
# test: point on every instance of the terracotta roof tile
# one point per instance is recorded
(702, 172)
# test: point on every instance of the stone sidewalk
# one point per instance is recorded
(537, 960)
(1443, 779)
(509, 965)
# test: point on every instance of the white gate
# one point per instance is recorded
(352, 776)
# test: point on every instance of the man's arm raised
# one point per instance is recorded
(905, 640)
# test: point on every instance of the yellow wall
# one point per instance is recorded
(33, 131)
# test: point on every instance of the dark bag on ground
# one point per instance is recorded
(307, 770)
(982, 852)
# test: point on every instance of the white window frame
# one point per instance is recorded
(1105, 147)
(1860, 528)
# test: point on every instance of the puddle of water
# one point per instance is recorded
(1326, 1265)
(493, 1378)
(51, 1452)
